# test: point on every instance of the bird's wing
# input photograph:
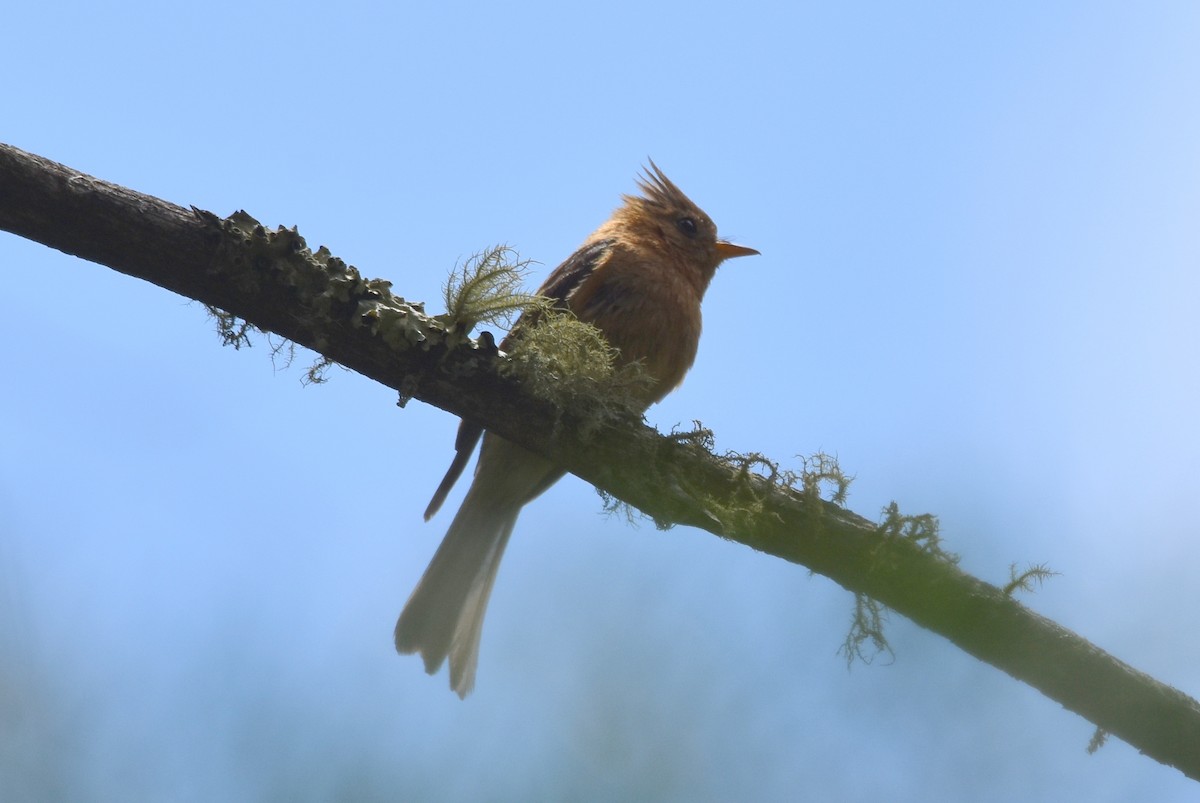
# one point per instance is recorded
(562, 283)
(464, 445)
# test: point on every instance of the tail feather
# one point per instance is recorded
(444, 616)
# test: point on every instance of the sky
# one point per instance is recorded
(978, 288)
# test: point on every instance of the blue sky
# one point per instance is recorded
(978, 287)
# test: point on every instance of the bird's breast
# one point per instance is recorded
(652, 317)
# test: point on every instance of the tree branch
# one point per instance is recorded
(272, 280)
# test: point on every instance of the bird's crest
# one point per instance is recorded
(659, 190)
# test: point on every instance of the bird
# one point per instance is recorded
(640, 279)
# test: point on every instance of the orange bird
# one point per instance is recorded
(639, 279)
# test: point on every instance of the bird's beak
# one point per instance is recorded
(729, 250)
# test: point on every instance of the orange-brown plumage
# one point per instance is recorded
(639, 279)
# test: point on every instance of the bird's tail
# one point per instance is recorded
(444, 616)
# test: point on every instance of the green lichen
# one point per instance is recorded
(326, 285)
(560, 358)
(1028, 580)
(760, 476)
(922, 529)
(232, 330)
(866, 639)
(820, 472)
(564, 360)
(487, 289)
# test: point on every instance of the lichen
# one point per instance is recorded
(1028, 580)
(569, 362)
(325, 283)
(487, 289)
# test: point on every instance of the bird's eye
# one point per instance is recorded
(687, 225)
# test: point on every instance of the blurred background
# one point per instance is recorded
(978, 288)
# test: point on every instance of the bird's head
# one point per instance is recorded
(666, 219)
